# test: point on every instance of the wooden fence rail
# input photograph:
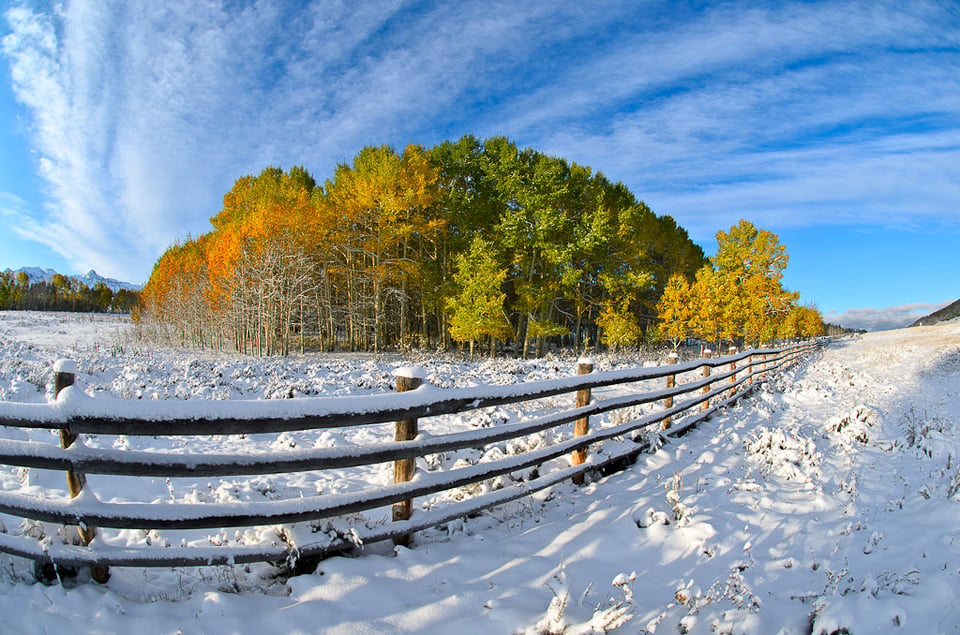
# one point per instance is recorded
(74, 415)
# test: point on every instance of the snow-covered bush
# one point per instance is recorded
(784, 453)
(854, 425)
(674, 488)
(613, 612)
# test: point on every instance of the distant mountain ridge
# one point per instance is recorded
(91, 278)
(947, 313)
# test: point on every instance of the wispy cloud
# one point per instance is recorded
(841, 113)
(10, 204)
(145, 113)
(107, 123)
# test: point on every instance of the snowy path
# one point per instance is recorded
(826, 501)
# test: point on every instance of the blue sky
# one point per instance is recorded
(835, 125)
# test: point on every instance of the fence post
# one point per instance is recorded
(406, 430)
(672, 358)
(706, 373)
(733, 368)
(582, 425)
(64, 374)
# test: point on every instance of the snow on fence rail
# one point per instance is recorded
(74, 414)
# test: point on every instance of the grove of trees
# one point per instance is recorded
(474, 242)
(62, 293)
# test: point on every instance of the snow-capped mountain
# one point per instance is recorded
(91, 278)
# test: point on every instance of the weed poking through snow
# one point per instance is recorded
(613, 612)
(680, 511)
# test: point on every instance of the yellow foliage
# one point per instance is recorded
(619, 326)
(738, 296)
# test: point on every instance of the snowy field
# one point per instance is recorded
(827, 502)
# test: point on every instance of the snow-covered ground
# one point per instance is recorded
(827, 501)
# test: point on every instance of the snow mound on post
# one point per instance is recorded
(65, 366)
(410, 372)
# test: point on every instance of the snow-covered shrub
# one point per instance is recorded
(855, 425)
(625, 415)
(924, 432)
(954, 488)
(680, 511)
(610, 614)
(651, 517)
(783, 453)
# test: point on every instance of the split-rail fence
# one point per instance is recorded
(689, 393)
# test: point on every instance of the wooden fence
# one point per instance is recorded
(690, 392)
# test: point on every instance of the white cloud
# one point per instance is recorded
(894, 317)
(726, 117)
(736, 44)
(128, 103)
(145, 113)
